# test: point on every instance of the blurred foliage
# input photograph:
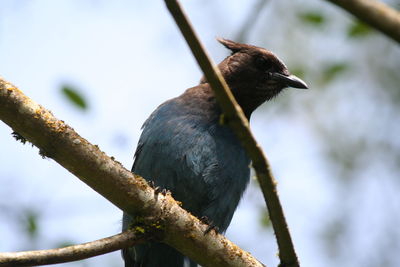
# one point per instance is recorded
(389, 78)
(332, 235)
(312, 18)
(29, 222)
(358, 29)
(352, 112)
(332, 70)
(264, 218)
(74, 97)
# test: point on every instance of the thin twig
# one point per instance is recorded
(251, 19)
(129, 192)
(375, 13)
(240, 125)
(71, 253)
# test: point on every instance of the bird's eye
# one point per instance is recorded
(262, 63)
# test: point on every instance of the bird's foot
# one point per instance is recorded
(158, 190)
(211, 227)
(204, 219)
(164, 192)
(151, 184)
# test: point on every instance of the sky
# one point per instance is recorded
(126, 58)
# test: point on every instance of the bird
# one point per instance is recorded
(186, 149)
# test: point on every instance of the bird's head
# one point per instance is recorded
(255, 75)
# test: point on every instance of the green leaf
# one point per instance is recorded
(74, 97)
(29, 223)
(358, 29)
(331, 71)
(312, 18)
(264, 219)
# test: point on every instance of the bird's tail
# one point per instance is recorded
(154, 255)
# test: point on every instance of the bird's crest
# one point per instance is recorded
(231, 45)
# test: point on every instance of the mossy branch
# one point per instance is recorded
(375, 13)
(127, 191)
(72, 253)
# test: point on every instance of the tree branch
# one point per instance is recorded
(374, 13)
(72, 253)
(251, 18)
(234, 116)
(160, 214)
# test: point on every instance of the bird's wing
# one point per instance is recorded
(200, 162)
(174, 151)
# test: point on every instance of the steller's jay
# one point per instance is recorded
(185, 149)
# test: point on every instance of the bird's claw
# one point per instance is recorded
(204, 219)
(211, 227)
(158, 190)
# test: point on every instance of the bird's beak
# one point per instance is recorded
(289, 80)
